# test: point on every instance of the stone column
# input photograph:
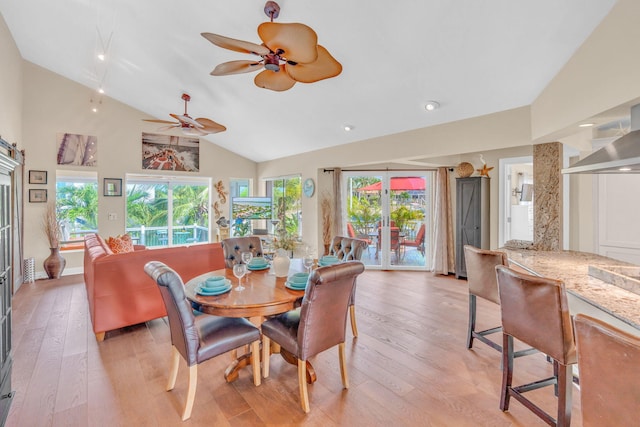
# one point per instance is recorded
(547, 199)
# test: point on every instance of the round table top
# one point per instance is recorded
(264, 294)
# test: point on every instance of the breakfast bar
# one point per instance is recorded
(585, 292)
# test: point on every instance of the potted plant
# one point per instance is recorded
(54, 264)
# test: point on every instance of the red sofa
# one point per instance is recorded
(119, 291)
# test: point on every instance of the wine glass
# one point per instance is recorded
(239, 271)
(308, 261)
(246, 257)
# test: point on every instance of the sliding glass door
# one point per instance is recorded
(392, 212)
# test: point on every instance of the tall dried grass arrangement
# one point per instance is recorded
(51, 225)
(327, 220)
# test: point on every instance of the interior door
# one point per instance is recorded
(392, 211)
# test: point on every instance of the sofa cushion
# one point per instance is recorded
(120, 244)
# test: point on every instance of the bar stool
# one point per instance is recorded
(481, 278)
(609, 366)
(535, 311)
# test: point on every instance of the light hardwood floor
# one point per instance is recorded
(408, 367)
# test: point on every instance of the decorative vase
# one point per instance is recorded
(54, 264)
(281, 263)
(464, 170)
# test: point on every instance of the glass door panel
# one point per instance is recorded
(392, 211)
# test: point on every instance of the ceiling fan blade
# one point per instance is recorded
(186, 119)
(166, 128)
(159, 121)
(236, 67)
(210, 126)
(325, 67)
(278, 81)
(296, 40)
(234, 44)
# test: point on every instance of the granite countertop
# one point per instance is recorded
(572, 268)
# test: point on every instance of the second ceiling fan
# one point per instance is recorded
(289, 53)
(188, 125)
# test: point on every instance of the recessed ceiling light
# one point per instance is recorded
(624, 169)
(585, 125)
(101, 56)
(100, 90)
(431, 105)
(348, 128)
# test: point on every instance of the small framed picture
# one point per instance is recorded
(37, 196)
(37, 177)
(112, 187)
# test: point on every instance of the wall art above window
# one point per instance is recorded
(168, 152)
(79, 150)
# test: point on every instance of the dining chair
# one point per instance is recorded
(418, 242)
(199, 338)
(535, 311)
(394, 239)
(349, 249)
(609, 369)
(234, 246)
(317, 325)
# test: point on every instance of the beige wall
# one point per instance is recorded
(54, 104)
(10, 87)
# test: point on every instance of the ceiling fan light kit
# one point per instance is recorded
(188, 125)
(289, 53)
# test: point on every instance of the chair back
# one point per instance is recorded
(184, 335)
(234, 246)
(609, 366)
(420, 234)
(481, 271)
(347, 249)
(323, 313)
(350, 231)
(535, 311)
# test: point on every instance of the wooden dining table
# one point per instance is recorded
(263, 295)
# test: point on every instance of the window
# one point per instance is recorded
(77, 206)
(165, 211)
(285, 196)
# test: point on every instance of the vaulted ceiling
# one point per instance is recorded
(472, 56)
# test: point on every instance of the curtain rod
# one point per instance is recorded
(386, 170)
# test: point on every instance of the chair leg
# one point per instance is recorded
(354, 327)
(472, 320)
(191, 393)
(255, 361)
(507, 370)
(173, 371)
(565, 391)
(343, 365)
(266, 352)
(302, 384)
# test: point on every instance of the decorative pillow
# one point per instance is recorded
(120, 244)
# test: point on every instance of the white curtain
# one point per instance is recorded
(337, 205)
(443, 252)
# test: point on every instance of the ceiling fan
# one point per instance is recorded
(289, 53)
(189, 126)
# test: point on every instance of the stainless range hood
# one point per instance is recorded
(620, 156)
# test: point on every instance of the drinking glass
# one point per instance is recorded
(307, 261)
(239, 271)
(246, 257)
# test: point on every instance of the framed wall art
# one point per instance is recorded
(37, 195)
(37, 177)
(112, 187)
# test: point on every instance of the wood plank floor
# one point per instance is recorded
(408, 367)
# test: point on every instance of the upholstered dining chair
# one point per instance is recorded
(349, 249)
(609, 367)
(317, 325)
(234, 246)
(535, 311)
(197, 339)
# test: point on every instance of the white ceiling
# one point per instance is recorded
(473, 56)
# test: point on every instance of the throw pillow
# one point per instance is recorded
(120, 244)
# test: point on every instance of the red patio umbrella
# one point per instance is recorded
(398, 183)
